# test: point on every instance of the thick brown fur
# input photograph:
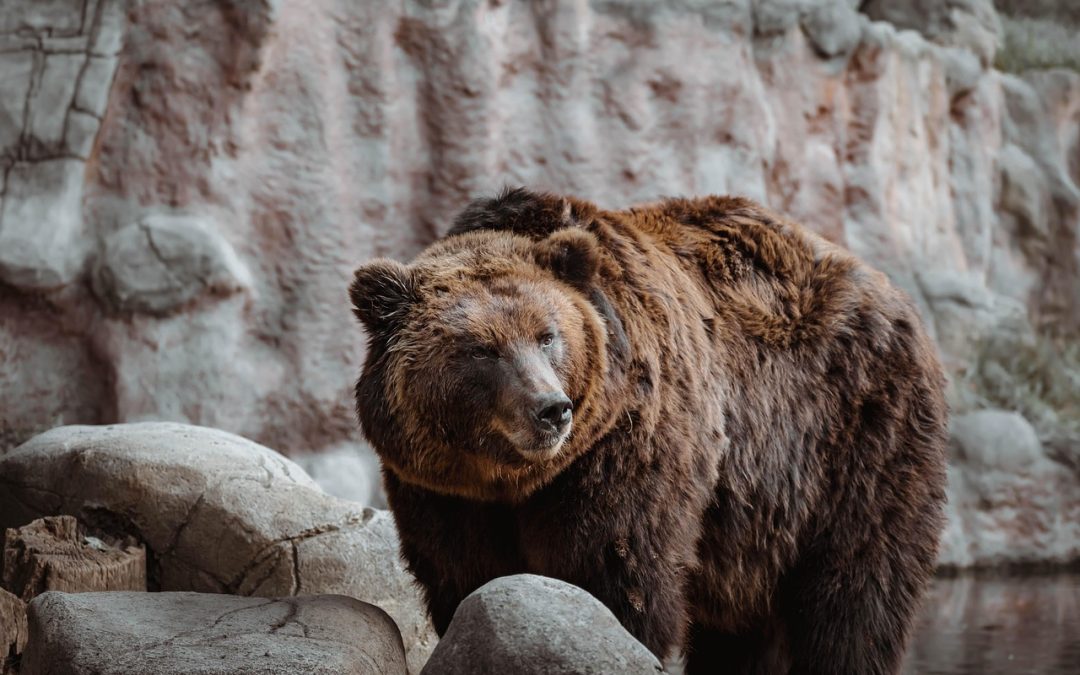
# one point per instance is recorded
(755, 472)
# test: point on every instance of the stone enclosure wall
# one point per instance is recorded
(187, 186)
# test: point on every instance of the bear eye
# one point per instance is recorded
(547, 339)
(482, 353)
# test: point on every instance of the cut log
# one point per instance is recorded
(50, 554)
(12, 630)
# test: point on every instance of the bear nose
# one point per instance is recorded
(554, 409)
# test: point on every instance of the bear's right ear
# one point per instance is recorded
(572, 255)
(381, 293)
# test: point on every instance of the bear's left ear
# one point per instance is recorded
(572, 254)
(381, 293)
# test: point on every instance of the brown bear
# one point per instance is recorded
(727, 429)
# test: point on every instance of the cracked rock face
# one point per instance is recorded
(531, 624)
(218, 514)
(57, 60)
(174, 633)
(265, 153)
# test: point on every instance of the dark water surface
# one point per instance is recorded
(993, 625)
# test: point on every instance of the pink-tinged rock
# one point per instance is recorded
(310, 138)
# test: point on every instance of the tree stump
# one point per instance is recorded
(50, 554)
(12, 630)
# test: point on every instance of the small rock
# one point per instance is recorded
(962, 70)
(532, 624)
(834, 28)
(163, 633)
(164, 261)
(996, 439)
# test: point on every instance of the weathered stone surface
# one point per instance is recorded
(48, 85)
(965, 311)
(13, 630)
(104, 633)
(834, 28)
(50, 554)
(165, 261)
(973, 24)
(1010, 504)
(177, 488)
(94, 81)
(107, 33)
(313, 137)
(18, 68)
(42, 241)
(59, 16)
(80, 132)
(60, 377)
(53, 95)
(531, 624)
(772, 17)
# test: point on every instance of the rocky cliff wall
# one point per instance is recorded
(188, 185)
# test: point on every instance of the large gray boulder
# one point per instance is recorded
(179, 633)
(531, 624)
(217, 513)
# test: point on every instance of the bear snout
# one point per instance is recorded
(553, 412)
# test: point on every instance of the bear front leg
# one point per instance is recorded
(760, 651)
(623, 543)
(451, 546)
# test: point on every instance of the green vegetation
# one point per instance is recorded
(1038, 377)
(1038, 43)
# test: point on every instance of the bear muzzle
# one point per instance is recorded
(553, 412)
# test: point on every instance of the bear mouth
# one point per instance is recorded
(541, 446)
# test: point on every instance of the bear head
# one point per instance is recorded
(484, 360)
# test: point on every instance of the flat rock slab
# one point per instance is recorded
(165, 633)
(531, 624)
